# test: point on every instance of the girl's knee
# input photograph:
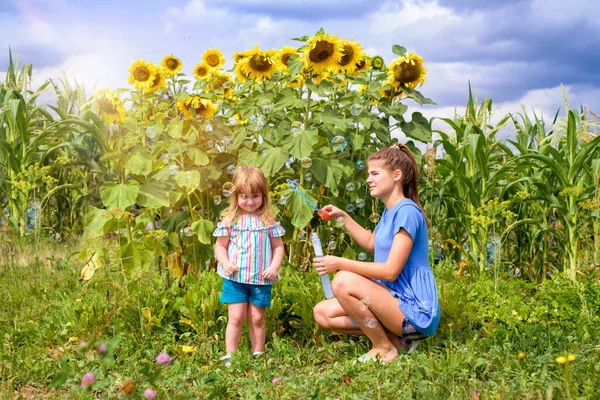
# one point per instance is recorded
(319, 314)
(342, 281)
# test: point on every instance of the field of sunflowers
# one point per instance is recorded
(109, 199)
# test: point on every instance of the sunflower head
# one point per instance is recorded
(213, 58)
(363, 64)
(109, 106)
(351, 55)
(201, 70)
(284, 56)
(323, 52)
(390, 92)
(407, 70)
(218, 79)
(298, 81)
(158, 80)
(239, 56)
(171, 64)
(141, 74)
(377, 63)
(259, 65)
(196, 106)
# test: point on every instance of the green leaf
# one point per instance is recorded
(301, 146)
(204, 228)
(332, 117)
(272, 161)
(175, 129)
(154, 194)
(295, 64)
(416, 96)
(119, 195)
(197, 156)
(140, 162)
(288, 101)
(398, 50)
(64, 374)
(94, 222)
(302, 213)
(418, 129)
(329, 172)
(188, 180)
(133, 255)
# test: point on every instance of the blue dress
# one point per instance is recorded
(415, 287)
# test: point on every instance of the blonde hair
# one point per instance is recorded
(249, 180)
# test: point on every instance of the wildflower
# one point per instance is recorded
(73, 339)
(408, 71)
(88, 380)
(571, 357)
(150, 394)
(171, 64)
(521, 355)
(561, 360)
(102, 348)
(128, 387)
(284, 56)
(201, 70)
(163, 359)
(259, 65)
(188, 349)
(275, 381)
(351, 55)
(213, 58)
(323, 52)
(142, 74)
(159, 80)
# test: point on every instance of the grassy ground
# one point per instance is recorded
(51, 326)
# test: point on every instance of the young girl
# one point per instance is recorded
(249, 250)
(394, 299)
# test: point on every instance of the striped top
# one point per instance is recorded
(249, 248)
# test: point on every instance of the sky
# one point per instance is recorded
(516, 52)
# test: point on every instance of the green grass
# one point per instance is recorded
(475, 352)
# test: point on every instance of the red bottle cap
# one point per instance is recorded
(324, 214)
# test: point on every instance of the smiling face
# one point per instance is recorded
(382, 181)
(250, 203)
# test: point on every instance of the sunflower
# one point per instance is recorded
(218, 79)
(363, 64)
(213, 58)
(158, 80)
(298, 81)
(351, 54)
(392, 92)
(201, 71)
(240, 75)
(171, 64)
(284, 56)
(109, 106)
(259, 65)
(239, 56)
(322, 76)
(377, 63)
(323, 52)
(203, 108)
(408, 71)
(141, 74)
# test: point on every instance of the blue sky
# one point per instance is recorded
(514, 51)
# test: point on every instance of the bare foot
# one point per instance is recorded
(385, 354)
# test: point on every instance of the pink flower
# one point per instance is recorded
(150, 394)
(88, 380)
(275, 381)
(102, 348)
(163, 359)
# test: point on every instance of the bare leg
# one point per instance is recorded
(381, 318)
(238, 313)
(256, 320)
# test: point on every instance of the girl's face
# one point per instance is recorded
(381, 181)
(250, 203)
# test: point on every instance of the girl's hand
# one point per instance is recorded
(327, 264)
(231, 269)
(334, 212)
(270, 274)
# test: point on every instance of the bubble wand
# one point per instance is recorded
(316, 241)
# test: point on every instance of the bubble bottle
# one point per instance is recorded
(319, 253)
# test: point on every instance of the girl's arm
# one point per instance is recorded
(223, 257)
(387, 271)
(272, 273)
(363, 237)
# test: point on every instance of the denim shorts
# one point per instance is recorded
(235, 292)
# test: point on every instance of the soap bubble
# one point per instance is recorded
(266, 106)
(302, 234)
(364, 303)
(257, 122)
(340, 221)
(350, 186)
(282, 200)
(187, 37)
(296, 128)
(374, 217)
(331, 245)
(210, 144)
(350, 207)
(360, 164)
(217, 200)
(370, 322)
(228, 143)
(362, 256)
(342, 236)
(173, 169)
(332, 237)
(208, 127)
(360, 203)
(188, 231)
(233, 121)
(231, 169)
(306, 162)
(308, 177)
(355, 109)
(165, 158)
(339, 143)
(228, 189)
(151, 132)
